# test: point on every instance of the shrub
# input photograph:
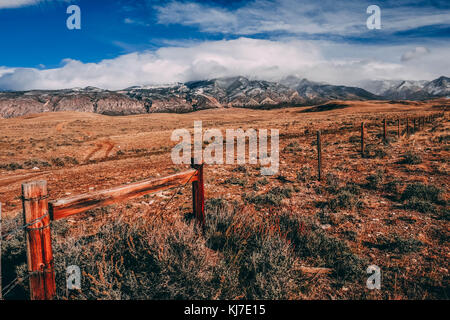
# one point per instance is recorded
(36, 163)
(355, 139)
(213, 204)
(373, 151)
(13, 258)
(293, 147)
(392, 187)
(272, 198)
(343, 200)
(398, 244)
(332, 183)
(420, 205)
(310, 241)
(236, 181)
(256, 264)
(423, 192)
(11, 166)
(374, 181)
(58, 162)
(304, 174)
(411, 158)
(240, 168)
(138, 259)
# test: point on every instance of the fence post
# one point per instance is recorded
(384, 131)
(319, 156)
(38, 238)
(362, 138)
(198, 194)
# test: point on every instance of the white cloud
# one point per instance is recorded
(292, 16)
(17, 3)
(4, 4)
(262, 59)
(417, 52)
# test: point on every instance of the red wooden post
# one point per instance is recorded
(38, 238)
(319, 156)
(362, 138)
(198, 194)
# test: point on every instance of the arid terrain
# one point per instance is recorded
(387, 208)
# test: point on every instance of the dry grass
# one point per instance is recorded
(369, 210)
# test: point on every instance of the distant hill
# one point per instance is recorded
(408, 89)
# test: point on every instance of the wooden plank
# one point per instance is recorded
(38, 238)
(64, 208)
(315, 270)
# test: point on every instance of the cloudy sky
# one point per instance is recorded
(137, 42)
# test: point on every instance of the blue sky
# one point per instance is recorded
(125, 42)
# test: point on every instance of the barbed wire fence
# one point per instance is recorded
(7, 289)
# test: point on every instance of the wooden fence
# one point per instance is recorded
(39, 212)
(419, 124)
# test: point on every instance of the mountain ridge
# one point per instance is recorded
(214, 93)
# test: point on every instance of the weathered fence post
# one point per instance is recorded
(407, 126)
(384, 131)
(398, 128)
(38, 238)
(198, 194)
(319, 156)
(362, 138)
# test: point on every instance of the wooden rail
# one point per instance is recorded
(38, 213)
(67, 207)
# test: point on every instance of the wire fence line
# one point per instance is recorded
(163, 208)
(4, 291)
(20, 228)
(13, 284)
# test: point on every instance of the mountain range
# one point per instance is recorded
(215, 93)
